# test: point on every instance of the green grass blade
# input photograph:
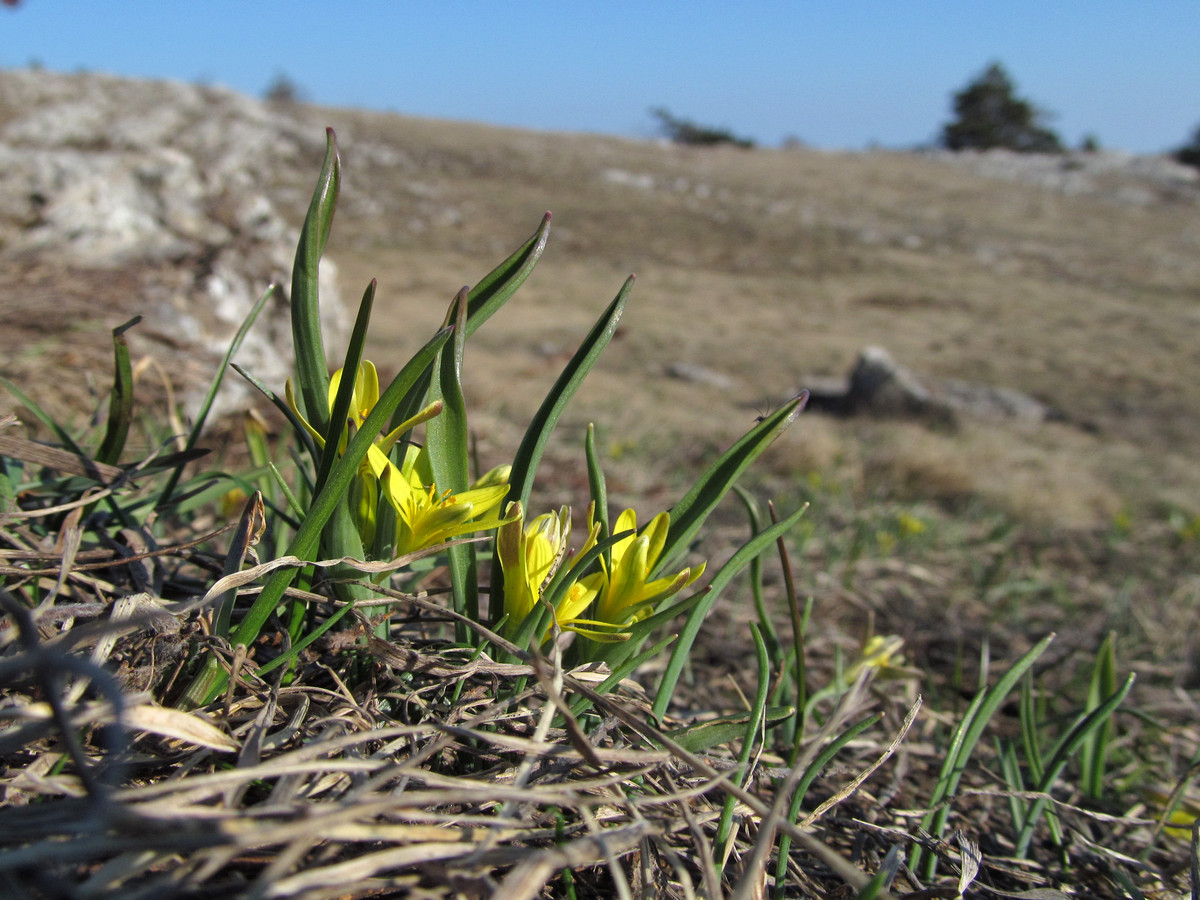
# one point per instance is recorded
(447, 442)
(756, 580)
(529, 454)
(341, 403)
(622, 670)
(286, 411)
(251, 518)
(739, 560)
(1010, 769)
(828, 752)
(493, 290)
(1030, 739)
(1093, 757)
(312, 370)
(962, 744)
(690, 512)
(120, 404)
(324, 505)
(754, 722)
(703, 736)
(1087, 726)
(597, 484)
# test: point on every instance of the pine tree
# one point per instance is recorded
(989, 114)
(1189, 153)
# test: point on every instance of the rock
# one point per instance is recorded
(163, 186)
(697, 374)
(879, 386)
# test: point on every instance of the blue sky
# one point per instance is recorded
(834, 73)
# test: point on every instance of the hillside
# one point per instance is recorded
(1038, 476)
(1076, 284)
(1073, 280)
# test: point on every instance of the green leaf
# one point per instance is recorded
(597, 484)
(828, 752)
(120, 404)
(312, 370)
(493, 290)
(1085, 727)
(753, 724)
(703, 736)
(691, 628)
(324, 504)
(446, 441)
(529, 454)
(690, 512)
(340, 412)
(1093, 758)
(962, 744)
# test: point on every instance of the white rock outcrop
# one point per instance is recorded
(169, 181)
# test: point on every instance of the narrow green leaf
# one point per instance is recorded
(120, 403)
(1010, 768)
(250, 521)
(340, 413)
(1067, 745)
(703, 736)
(691, 628)
(493, 290)
(597, 484)
(529, 454)
(312, 370)
(756, 580)
(307, 538)
(828, 752)
(298, 429)
(447, 442)
(962, 744)
(622, 670)
(1093, 758)
(758, 711)
(690, 512)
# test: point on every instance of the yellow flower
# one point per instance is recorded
(424, 516)
(364, 493)
(530, 555)
(362, 400)
(625, 595)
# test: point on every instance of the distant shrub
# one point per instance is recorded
(284, 90)
(684, 131)
(989, 115)
(1189, 153)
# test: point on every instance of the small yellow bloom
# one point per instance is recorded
(364, 493)
(424, 516)
(625, 594)
(882, 656)
(530, 555)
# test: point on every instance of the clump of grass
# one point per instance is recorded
(385, 675)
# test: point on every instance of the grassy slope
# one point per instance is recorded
(769, 266)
